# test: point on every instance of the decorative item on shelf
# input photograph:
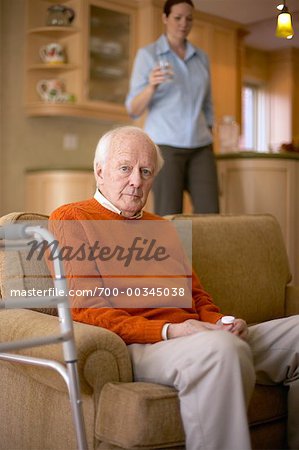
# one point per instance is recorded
(52, 54)
(108, 72)
(290, 147)
(108, 49)
(53, 91)
(229, 134)
(284, 22)
(274, 147)
(60, 16)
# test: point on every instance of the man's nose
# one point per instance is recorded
(135, 177)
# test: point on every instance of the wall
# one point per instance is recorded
(281, 91)
(221, 40)
(32, 142)
(296, 96)
(256, 65)
(277, 71)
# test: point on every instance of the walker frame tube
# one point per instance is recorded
(66, 336)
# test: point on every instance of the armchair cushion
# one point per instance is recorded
(147, 416)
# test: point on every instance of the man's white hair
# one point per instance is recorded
(105, 145)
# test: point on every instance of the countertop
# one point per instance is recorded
(59, 169)
(219, 156)
(256, 155)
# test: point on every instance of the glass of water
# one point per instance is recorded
(166, 68)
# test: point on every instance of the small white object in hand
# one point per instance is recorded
(227, 320)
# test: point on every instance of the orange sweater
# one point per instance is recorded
(132, 324)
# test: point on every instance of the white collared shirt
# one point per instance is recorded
(108, 205)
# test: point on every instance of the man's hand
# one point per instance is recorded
(188, 327)
(238, 328)
(192, 326)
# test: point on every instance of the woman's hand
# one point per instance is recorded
(140, 103)
(156, 77)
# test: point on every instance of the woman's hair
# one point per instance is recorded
(170, 3)
(105, 144)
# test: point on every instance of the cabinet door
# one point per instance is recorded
(226, 72)
(110, 47)
(257, 186)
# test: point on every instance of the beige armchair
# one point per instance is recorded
(241, 261)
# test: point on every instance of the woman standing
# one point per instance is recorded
(171, 80)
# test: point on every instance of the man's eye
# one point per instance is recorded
(146, 172)
(124, 169)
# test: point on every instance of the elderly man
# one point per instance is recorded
(213, 367)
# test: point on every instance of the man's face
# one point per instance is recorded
(128, 174)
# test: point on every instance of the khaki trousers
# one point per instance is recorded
(215, 373)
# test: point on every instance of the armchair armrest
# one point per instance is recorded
(292, 300)
(102, 355)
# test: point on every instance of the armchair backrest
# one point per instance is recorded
(16, 273)
(242, 261)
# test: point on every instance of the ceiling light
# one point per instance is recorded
(284, 23)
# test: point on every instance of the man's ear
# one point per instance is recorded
(164, 18)
(99, 174)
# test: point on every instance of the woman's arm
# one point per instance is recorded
(145, 79)
(141, 101)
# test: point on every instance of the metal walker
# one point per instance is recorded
(21, 233)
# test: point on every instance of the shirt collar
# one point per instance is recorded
(108, 205)
(164, 47)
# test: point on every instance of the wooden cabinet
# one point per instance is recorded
(40, 34)
(45, 190)
(258, 185)
(99, 46)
